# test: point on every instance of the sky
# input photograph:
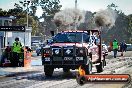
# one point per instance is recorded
(89, 5)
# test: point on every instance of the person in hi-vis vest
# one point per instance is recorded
(17, 47)
(115, 47)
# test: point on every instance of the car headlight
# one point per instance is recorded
(68, 51)
(81, 51)
(46, 52)
(57, 51)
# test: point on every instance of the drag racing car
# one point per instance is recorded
(72, 49)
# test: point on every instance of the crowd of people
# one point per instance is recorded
(121, 47)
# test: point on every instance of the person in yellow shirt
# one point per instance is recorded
(17, 47)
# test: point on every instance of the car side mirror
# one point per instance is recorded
(52, 33)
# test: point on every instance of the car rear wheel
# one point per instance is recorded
(99, 67)
(104, 61)
(48, 71)
(88, 68)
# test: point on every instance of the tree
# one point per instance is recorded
(122, 29)
(49, 7)
(112, 5)
(129, 30)
(22, 17)
(3, 12)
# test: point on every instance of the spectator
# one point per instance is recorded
(115, 47)
(123, 47)
(17, 48)
(6, 54)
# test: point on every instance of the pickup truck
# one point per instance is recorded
(71, 49)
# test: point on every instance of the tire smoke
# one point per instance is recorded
(68, 17)
(105, 18)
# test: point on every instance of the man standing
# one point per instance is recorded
(123, 47)
(115, 47)
(16, 52)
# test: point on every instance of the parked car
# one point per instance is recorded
(38, 49)
(129, 47)
(72, 49)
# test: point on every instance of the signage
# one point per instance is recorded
(12, 28)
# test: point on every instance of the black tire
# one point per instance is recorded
(88, 68)
(81, 80)
(48, 71)
(90, 64)
(99, 67)
(104, 62)
(66, 70)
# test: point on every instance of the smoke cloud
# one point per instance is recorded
(105, 18)
(68, 17)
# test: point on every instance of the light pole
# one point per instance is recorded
(27, 3)
(44, 33)
(75, 4)
(75, 15)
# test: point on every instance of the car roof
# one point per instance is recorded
(75, 31)
(94, 30)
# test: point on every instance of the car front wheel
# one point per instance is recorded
(48, 71)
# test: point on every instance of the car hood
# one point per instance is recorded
(68, 44)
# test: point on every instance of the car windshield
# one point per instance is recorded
(71, 37)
